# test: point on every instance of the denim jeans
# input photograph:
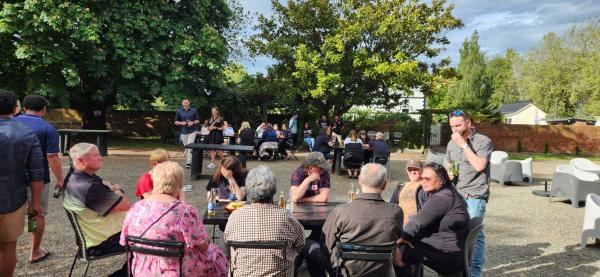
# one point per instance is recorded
(310, 141)
(476, 208)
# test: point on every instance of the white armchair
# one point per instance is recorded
(496, 161)
(585, 165)
(591, 219)
(527, 165)
(433, 157)
(574, 184)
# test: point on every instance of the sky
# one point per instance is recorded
(517, 24)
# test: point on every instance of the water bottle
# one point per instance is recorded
(58, 192)
(31, 222)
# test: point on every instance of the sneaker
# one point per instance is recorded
(187, 165)
(210, 166)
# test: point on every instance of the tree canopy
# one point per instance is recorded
(336, 54)
(91, 55)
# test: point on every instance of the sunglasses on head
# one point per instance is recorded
(457, 113)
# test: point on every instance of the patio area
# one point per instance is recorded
(526, 235)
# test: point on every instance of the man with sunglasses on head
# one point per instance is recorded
(469, 152)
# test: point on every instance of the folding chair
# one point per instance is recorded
(254, 245)
(82, 253)
(161, 248)
(383, 158)
(371, 253)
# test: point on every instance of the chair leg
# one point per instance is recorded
(73, 265)
(87, 265)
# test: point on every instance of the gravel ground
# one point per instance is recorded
(526, 235)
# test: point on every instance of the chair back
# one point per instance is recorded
(433, 157)
(281, 245)
(161, 248)
(498, 157)
(585, 165)
(381, 157)
(474, 228)
(370, 253)
(79, 239)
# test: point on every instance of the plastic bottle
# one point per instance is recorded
(31, 222)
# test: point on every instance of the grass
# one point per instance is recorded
(139, 143)
(550, 156)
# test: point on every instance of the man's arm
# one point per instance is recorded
(55, 166)
(478, 163)
(331, 229)
(323, 196)
(35, 168)
(299, 191)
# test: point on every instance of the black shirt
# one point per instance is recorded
(223, 184)
(321, 144)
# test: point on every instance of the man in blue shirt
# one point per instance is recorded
(379, 145)
(187, 118)
(35, 108)
(21, 147)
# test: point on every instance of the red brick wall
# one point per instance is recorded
(560, 138)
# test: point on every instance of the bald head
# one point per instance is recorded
(372, 177)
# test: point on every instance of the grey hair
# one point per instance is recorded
(373, 175)
(79, 150)
(379, 135)
(261, 185)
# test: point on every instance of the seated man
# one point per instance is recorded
(311, 181)
(322, 143)
(378, 145)
(367, 221)
(100, 206)
(405, 194)
(273, 224)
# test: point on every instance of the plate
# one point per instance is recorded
(233, 206)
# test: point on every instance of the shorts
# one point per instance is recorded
(43, 200)
(12, 225)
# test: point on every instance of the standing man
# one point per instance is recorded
(470, 152)
(21, 147)
(35, 108)
(293, 124)
(367, 221)
(187, 118)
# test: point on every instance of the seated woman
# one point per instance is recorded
(322, 143)
(228, 129)
(405, 195)
(145, 184)
(352, 138)
(246, 134)
(268, 143)
(229, 178)
(310, 141)
(363, 136)
(285, 141)
(439, 229)
(162, 217)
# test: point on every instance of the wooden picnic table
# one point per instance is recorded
(101, 139)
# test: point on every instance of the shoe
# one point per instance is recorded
(187, 165)
(210, 166)
(41, 258)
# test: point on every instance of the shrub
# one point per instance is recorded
(546, 148)
(519, 147)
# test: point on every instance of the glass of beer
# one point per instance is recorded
(351, 194)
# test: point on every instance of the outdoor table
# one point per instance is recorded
(101, 139)
(542, 193)
(198, 148)
(308, 214)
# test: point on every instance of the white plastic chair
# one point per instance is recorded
(510, 171)
(574, 184)
(433, 157)
(585, 165)
(527, 166)
(591, 219)
(496, 160)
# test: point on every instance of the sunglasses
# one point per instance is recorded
(413, 169)
(457, 113)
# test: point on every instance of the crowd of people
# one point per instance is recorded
(427, 218)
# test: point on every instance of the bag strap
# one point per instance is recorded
(170, 209)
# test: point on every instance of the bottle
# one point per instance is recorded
(31, 222)
(212, 204)
(281, 203)
(58, 192)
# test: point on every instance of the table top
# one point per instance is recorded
(308, 214)
(84, 131)
(232, 147)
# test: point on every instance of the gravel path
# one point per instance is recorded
(526, 235)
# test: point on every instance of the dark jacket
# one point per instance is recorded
(442, 221)
(22, 163)
(247, 136)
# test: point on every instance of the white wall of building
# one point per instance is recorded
(530, 115)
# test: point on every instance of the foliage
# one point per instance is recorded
(92, 55)
(546, 147)
(519, 147)
(332, 55)
(412, 130)
(500, 74)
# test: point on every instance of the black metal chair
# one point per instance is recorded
(254, 245)
(82, 253)
(354, 155)
(161, 248)
(380, 254)
(383, 158)
(397, 139)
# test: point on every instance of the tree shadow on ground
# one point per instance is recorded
(530, 260)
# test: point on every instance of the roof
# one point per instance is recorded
(513, 107)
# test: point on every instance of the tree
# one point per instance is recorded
(91, 55)
(500, 74)
(473, 87)
(336, 54)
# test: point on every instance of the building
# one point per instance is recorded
(570, 121)
(523, 112)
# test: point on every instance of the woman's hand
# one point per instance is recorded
(228, 174)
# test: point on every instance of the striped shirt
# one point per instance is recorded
(264, 222)
(472, 184)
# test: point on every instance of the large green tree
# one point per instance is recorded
(332, 55)
(500, 73)
(91, 55)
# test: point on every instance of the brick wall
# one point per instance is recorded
(560, 138)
